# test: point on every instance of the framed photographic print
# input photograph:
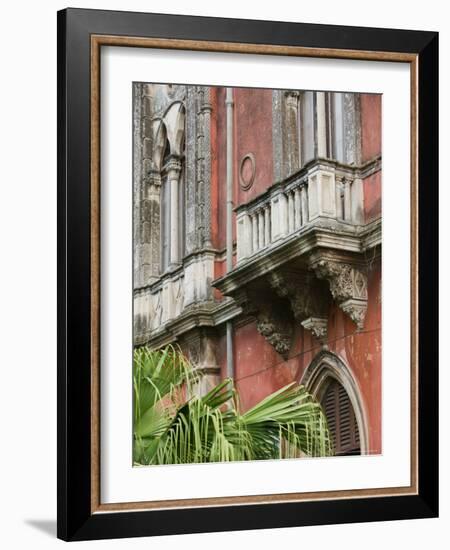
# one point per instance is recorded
(247, 274)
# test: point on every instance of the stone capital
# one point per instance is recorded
(292, 98)
(173, 167)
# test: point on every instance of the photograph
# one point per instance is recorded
(247, 273)
(257, 273)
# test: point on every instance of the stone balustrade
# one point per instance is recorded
(321, 194)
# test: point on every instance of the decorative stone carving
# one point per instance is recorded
(318, 326)
(247, 171)
(275, 330)
(356, 310)
(273, 319)
(348, 287)
(198, 168)
(307, 299)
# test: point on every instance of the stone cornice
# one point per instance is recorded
(173, 273)
(204, 314)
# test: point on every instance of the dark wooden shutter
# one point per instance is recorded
(341, 420)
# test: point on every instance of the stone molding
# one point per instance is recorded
(348, 243)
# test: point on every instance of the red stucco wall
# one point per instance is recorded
(372, 196)
(259, 369)
(253, 134)
(370, 125)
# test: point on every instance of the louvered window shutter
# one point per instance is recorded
(341, 420)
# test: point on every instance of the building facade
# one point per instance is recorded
(257, 243)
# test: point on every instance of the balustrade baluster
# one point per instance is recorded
(304, 201)
(254, 216)
(347, 201)
(297, 208)
(339, 213)
(291, 226)
(261, 228)
(266, 225)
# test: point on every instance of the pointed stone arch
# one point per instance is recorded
(160, 143)
(323, 369)
(174, 120)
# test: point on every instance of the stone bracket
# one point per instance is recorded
(348, 286)
(318, 326)
(275, 330)
(271, 320)
(308, 302)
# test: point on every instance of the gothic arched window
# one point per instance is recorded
(331, 382)
(172, 197)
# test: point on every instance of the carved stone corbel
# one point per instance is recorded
(275, 329)
(308, 302)
(272, 320)
(318, 326)
(348, 287)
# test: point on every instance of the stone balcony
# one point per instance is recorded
(300, 245)
(323, 194)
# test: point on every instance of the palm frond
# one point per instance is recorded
(174, 426)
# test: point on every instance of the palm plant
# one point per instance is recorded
(173, 425)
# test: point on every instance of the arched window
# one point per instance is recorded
(341, 419)
(331, 382)
(172, 196)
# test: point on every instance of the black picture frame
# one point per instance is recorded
(76, 521)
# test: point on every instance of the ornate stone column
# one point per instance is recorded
(292, 142)
(173, 174)
(198, 168)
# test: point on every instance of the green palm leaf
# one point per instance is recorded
(174, 426)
